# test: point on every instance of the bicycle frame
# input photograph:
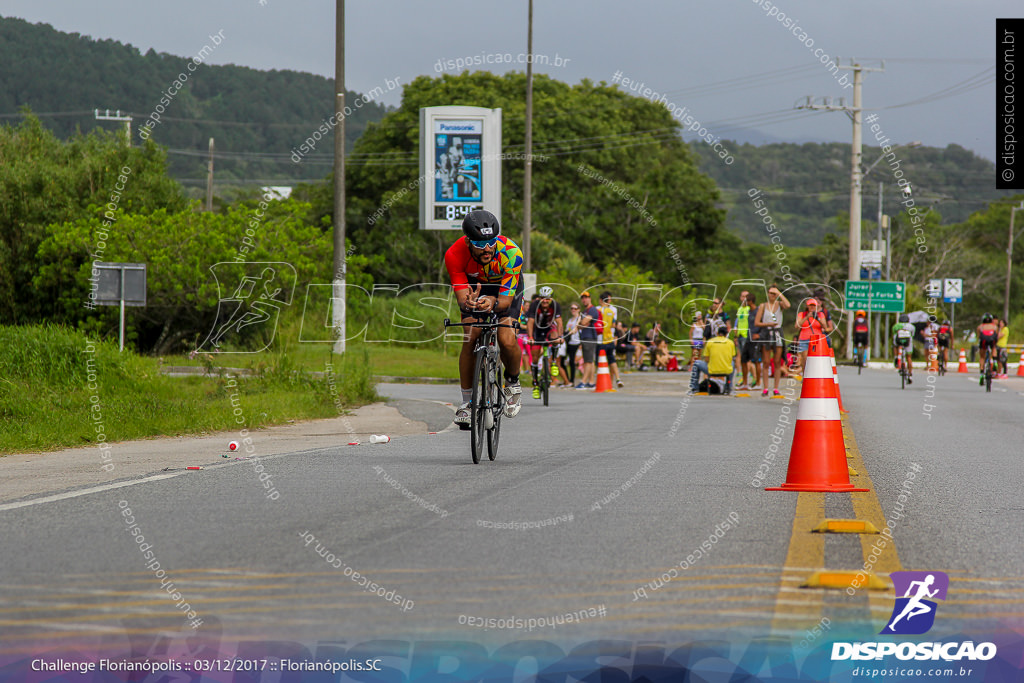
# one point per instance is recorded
(488, 398)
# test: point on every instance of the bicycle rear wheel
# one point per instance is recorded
(479, 407)
(903, 371)
(988, 376)
(497, 408)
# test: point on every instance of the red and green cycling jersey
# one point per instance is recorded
(504, 271)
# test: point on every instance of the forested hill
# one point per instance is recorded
(808, 185)
(256, 117)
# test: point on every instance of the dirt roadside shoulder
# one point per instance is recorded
(33, 474)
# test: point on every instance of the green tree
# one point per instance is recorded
(44, 181)
(582, 134)
(179, 249)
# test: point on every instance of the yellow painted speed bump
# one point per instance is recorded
(845, 526)
(742, 395)
(853, 472)
(837, 579)
(701, 393)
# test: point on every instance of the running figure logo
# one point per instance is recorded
(913, 614)
(252, 310)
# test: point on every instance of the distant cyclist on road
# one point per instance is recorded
(860, 333)
(903, 335)
(492, 264)
(945, 339)
(543, 326)
(988, 335)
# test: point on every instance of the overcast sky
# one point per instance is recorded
(759, 67)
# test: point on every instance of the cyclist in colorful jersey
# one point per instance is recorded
(860, 332)
(903, 333)
(485, 270)
(543, 325)
(988, 335)
(945, 339)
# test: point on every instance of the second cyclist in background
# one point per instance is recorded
(543, 326)
(860, 335)
(903, 335)
(945, 339)
(988, 335)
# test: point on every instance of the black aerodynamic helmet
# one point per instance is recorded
(987, 318)
(481, 226)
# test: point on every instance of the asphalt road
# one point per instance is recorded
(590, 500)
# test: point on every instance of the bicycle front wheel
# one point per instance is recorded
(545, 379)
(479, 407)
(497, 408)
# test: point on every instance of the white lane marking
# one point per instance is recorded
(85, 492)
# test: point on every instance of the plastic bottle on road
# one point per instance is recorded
(379, 438)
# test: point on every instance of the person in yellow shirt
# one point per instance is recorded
(1001, 343)
(717, 360)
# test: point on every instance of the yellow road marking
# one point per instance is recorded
(878, 551)
(805, 550)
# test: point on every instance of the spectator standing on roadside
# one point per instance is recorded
(572, 335)
(773, 345)
(1002, 342)
(590, 331)
(810, 322)
(696, 337)
(823, 306)
(609, 318)
(748, 357)
(717, 319)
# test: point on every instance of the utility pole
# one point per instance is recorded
(854, 112)
(1009, 264)
(528, 170)
(117, 116)
(209, 180)
(338, 289)
(878, 316)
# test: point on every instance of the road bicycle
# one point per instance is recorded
(858, 356)
(542, 369)
(901, 357)
(942, 360)
(488, 402)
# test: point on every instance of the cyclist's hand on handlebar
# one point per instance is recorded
(485, 304)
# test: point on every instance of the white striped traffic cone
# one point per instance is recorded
(604, 378)
(817, 460)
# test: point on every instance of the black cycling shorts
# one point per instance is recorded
(860, 339)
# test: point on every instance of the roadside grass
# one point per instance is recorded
(59, 390)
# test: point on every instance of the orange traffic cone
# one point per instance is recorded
(963, 362)
(1020, 367)
(835, 376)
(933, 355)
(817, 460)
(604, 378)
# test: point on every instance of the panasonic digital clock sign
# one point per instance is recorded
(460, 164)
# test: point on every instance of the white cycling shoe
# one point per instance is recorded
(513, 399)
(462, 417)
